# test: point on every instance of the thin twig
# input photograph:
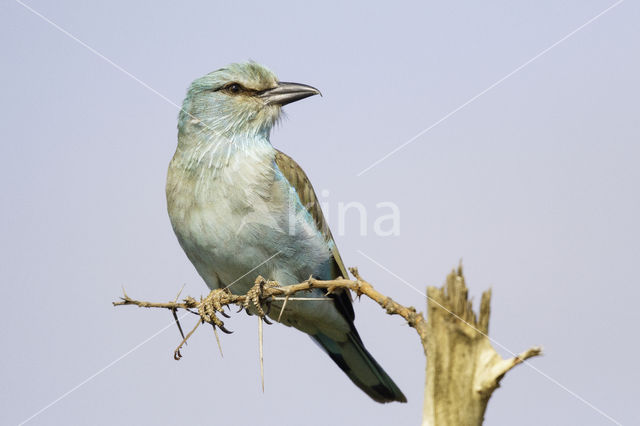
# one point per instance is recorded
(267, 290)
(261, 352)
(284, 305)
(217, 339)
(176, 353)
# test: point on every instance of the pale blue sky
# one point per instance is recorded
(534, 185)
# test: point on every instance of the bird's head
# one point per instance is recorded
(240, 100)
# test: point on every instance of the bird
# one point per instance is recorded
(241, 208)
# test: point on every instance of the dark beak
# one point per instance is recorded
(285, 93)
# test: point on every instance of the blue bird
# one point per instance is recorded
(240, 208)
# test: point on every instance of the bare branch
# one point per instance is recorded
(463, 368)
(264, 290)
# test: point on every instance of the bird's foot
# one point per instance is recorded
(213, 303)
(255, 296)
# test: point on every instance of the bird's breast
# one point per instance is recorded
(230, 218)
(209, 200)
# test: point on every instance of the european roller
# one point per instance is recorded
(240, 208)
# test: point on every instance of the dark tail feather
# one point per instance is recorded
(352, 357)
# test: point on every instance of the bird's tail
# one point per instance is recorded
(363, 370)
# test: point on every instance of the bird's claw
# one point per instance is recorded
(213, 303)
(255, 298)
(224, 330)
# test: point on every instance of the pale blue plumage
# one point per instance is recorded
(240, 209)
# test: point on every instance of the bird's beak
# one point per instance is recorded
(285, 93)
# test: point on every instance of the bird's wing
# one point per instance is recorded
(300, 182)
(350, 353)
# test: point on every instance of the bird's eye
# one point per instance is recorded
(234, 88)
